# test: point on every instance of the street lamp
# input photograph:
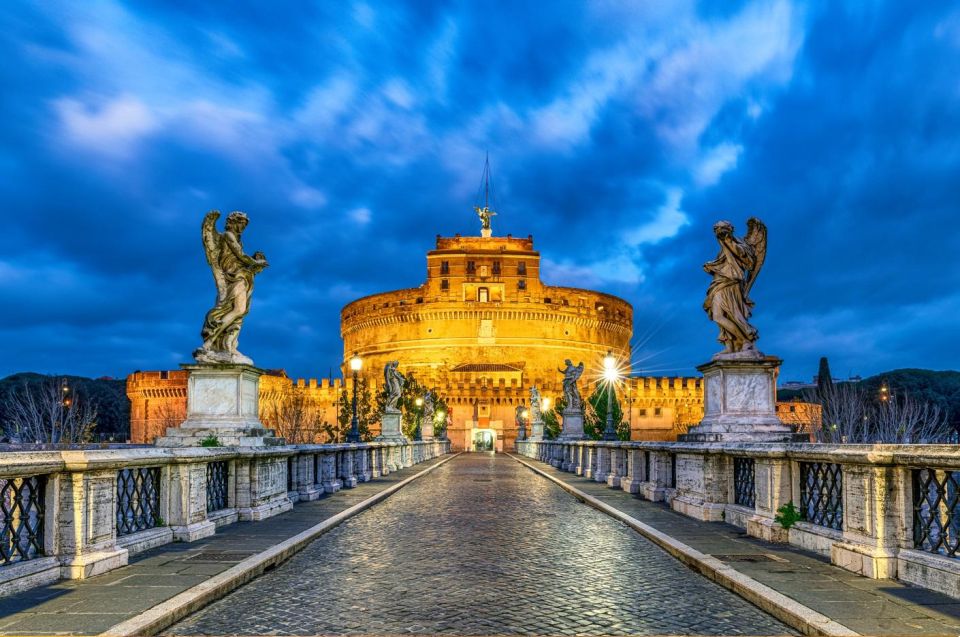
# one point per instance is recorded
(418, 433)
(355, 364)
(524, 419)
(610, 375)
(442, 416)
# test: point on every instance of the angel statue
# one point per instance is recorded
(570, 392)
(233, 272)
(535, 405)
(485, 214)
(519, 417)
(734, 271)
(429, 407)
(394, 382)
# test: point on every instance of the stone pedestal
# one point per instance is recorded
(390, 428)
(536, 430)
(572, 425)
(426, 429)
(740, 402)
(222, 401)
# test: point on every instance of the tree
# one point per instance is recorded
(366, 413)
(294, 416)
(595, 413)
(551, 419)
(50, 411)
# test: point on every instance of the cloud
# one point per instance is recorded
(715, 162)
(113, 127)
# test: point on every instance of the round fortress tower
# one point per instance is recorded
(483, 328)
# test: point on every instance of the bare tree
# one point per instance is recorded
(50, 411)
(850, 415)
(294, 416)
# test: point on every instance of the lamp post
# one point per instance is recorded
(441, 417)
(610, 375)
(524, 419)
(417, 433)
(355, 364)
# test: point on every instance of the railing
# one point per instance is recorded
(936, 511)
(217, 480)
(821, 494)
(744, 482)
(138, 499)
(22, 513)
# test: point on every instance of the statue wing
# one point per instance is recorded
(211, 245)
(757, 239)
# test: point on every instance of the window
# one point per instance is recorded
(444, 267)
(522, 268)
(657, 411)
(496, 268)
(547, 300)
(444, 284)
(643, 413)
(793, 409)
(483, 295)
(165, 375)
(521, 284)
(471, 267)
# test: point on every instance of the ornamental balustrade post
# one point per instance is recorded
(633, 474)
(262, 487)
(306, 482)
(873, 498)
(590, 460)
(86, 528)
(407, 455)
(373, 460)
(187, 502)
(602, 469)
(348, 476)
(773, 488)
(331, 481)
(655, 487)
(617, 469)
(702, 485)
(362, 459)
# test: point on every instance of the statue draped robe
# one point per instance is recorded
(727, 303)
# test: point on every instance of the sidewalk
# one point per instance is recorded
(866, 606)
(93, 606)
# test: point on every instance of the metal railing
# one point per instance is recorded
(821, 494)
(22, 517)
(744, 482)
(936, 511)
(217, 480)
(138, 499)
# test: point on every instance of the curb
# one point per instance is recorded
(787, 610)
(167, 613)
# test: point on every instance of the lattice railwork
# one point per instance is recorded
(936, 511)
(217, 480)
(21, 518)
(138, 500)
(744, 482)
(821, 494)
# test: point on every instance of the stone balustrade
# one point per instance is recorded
(882, 511)
(76, 514)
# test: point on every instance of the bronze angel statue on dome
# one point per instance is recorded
(233, 272)
(734, 272)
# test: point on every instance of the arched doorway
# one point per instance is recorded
(484, 440)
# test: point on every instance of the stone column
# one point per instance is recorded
(362, 463)
(602, 469)
(86, 531)
(307, 487)
(703, 484)
(264, 485)
(634, 469)
(347, 473)
(589, 460)
(617, 469)
(188, 502)
(407, 455)
(773, 488)
(373, 460)
(331, 481)
(654, 488)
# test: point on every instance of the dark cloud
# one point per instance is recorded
(354, 133)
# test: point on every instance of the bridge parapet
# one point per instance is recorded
(79, 513)
(881, 511)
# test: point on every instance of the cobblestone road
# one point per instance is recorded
(482, 546)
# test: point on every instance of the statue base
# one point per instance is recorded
(486, 233)
(223, 402)
(572, 425)
(426, 430)
(536, 430)
(390, 428)
(740, 402)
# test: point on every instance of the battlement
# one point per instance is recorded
(509, 243)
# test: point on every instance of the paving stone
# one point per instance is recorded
(482, 546)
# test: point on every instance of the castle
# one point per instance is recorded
(482, 329)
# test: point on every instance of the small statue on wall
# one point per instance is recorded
(535, 405)
(734, 272)
(570, 391)
(233, 273)
(394, 382)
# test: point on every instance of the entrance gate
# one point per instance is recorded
(484, 439)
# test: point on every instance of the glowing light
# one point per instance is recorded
(546, 403)
(525, 414)
(610, 372)
(356, 363)
(441, 415)
(419, 401)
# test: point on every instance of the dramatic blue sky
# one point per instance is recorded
(353, 133)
